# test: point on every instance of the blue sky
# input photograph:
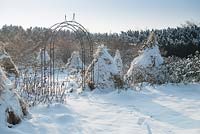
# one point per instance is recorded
(101, 15)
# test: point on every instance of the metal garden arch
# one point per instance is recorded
(82, 34)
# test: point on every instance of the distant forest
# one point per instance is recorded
(24, 44)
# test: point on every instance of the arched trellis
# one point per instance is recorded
(82, 34)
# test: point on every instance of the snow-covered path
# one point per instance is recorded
(95, 117)
(166, 109)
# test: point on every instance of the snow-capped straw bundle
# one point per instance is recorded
(144, 68)
(74, 63)
(43, 56)
(12, 107)
(105, 70)
(6, 62)
(118, 62)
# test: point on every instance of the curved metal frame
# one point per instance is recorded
(78, 29)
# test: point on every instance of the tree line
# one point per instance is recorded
(23, 44)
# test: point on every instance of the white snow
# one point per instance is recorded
(74, 62)
(165, 109)
(104, 68)
(150, 55)
(118, 62)
(145, 67)
(43, 54)
(3, 53)
(145, 59)
(104, 59)
(9, 100)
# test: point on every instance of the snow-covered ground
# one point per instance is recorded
(165, 109)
